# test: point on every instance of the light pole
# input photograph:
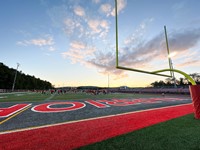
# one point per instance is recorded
(13, 87)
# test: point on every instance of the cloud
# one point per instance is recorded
(109, 10)
(106, 9)
(136, 51)
(105, 63)
(77, 45)
(183, 40)
(87, 27)
(138, 33)
(70, 26)
(187, 58)
(145, 53)
(121, 4)
(80, 21)
(78, 10)
(51, 48)
(94, 25)
(37, 42)
(41, 42)
(48, 41)
(100, 27)
(79, 52)
(96, 1)
(22, 43)
(80, 25)
(189, 63)
(91, 25)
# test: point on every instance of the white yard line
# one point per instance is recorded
(49, 98)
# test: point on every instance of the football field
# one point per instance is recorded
(58, 114)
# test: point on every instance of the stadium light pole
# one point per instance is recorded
(13, 87)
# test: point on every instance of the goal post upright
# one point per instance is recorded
(157, 72)
(167, 45)
(194, 89)
(116, 31)
(117, 50)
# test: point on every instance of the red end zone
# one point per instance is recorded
(76, 134)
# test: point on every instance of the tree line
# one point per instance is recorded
(23, 81)
(181, 82)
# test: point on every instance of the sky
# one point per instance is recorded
(72, 42)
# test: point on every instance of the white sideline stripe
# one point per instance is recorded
(48, 98)
(82, 120)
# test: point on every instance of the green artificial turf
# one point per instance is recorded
(178, 134)
(31, 96)
(84, 96)
(23, 97)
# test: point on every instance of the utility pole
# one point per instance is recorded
(13, 87)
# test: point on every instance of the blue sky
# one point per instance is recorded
(72, 42)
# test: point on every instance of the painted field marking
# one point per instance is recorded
(15, 114)
(45, 108)
(8, 111)
(82, 120)
(49, 98)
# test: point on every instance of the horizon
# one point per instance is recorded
(72, 43)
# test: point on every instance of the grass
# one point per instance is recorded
(31, 97)
(178, 134)
(23, 97)
(83, 96)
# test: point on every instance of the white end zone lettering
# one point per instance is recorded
(46, 108)
(6, 112)
(97, 104)
(121, 102)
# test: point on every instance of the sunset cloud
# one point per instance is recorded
(143, 54)
(106, 9)
(98, 26)
(41, 42)
(79, 52)
(37, 42)
(135, 51)
(121, 4)
(47, 41)
(78, 10)
(194, 62)
(109, 10)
